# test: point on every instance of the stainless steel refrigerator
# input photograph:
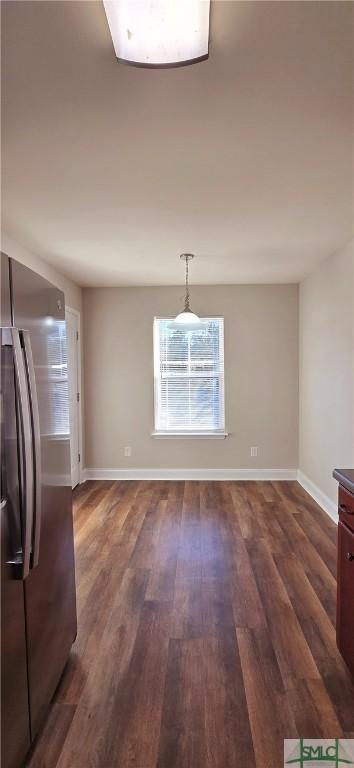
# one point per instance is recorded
(38, 605)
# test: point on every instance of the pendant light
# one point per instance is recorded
(187, 320)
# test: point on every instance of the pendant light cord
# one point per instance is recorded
(186, 301)
(187, 319)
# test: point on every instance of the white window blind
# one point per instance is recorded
(57, 386)
(189, 377)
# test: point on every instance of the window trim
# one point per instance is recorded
(207, 435)
(213, 434)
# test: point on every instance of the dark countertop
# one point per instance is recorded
(345, 477)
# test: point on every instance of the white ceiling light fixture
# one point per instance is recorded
(187, 320)
(159, 33)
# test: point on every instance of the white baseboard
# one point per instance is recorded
(322, 499)
(189, 474)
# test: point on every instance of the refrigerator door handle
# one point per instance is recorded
(32, 388)
(11, 337)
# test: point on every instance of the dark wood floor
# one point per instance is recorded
(206, 629)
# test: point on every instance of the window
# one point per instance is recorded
(189, 377)
(56, 385)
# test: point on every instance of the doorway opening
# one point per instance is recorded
(74, 373)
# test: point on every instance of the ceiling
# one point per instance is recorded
(111, 171)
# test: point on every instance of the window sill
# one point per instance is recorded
(198, 435)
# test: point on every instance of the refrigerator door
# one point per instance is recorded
(50, 587)
(15, 730)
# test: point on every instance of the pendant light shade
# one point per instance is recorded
(186, 318)
(159, 33)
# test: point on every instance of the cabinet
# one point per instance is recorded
(345, 594)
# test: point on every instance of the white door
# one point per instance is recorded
(72, 330)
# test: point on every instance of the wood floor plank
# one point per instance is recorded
(340, 687)
(182, 734)
(49, 745)
(162, 578)
(95, 606)
(189, 565)
(316, 569)
(270, 715)
(204, 698)
(136, 719)
(97, 702)
(206, 636)
(245, 597)
(313, 710)
(292, 651)
(313, 619)
(317, 534)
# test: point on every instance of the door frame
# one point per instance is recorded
(79, 356)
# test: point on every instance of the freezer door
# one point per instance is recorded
(50, 587)
(15, 731)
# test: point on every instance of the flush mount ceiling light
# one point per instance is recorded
(187, 320)
(159, 33)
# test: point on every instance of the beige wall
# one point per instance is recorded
(326, 423)
(261, 377)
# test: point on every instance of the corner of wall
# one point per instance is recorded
(326, 375)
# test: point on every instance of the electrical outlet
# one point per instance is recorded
(127, 450)
(254, 451)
